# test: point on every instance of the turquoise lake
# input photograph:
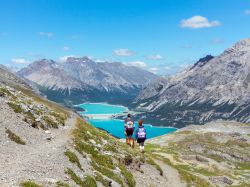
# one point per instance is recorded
(101, 108)
(115, 126)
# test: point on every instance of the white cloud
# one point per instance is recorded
(123, 52)
(247, 12)
(197, 22)
(19, 61)
(139, 64)
(153, 70)
(64, 58)
(47, 34)
(65, 48)
(155, 57)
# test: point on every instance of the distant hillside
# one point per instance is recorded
(81, 79)
(214, 88)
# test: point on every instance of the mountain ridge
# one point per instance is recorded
(86, 79)
(219, 88)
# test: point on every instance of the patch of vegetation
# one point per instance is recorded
(4, 92)
(110, 148)
(237, 143)
(61, 184)
(38, 111)
(153, 163)
(17, 108)
(186, 175)
(50, 122)
(207, 172)
(107, 172)
(183, 132)
(103, 160)
(30, 117)
(60, 117)
(73, 158)
(87, 182)
(241, 185)
(56, 107)
(216, 157)
(74, 177)
(12, 136)
(100, 178)
(29, 184)
(243, 166)
(104, 164)
(129, 178)
(100, 159)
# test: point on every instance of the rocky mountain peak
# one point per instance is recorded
(39, 64)
(202, 61)
(240, 47)
(83, 59)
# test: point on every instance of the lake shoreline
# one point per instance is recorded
(103, 116)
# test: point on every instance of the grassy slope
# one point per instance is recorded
(209, 159)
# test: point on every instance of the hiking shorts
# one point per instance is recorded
(129, 132)
(141, 140)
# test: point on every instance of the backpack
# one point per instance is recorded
(130, 124)
(141, 133)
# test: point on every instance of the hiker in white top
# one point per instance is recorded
(129, 130)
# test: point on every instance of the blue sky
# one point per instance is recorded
(159, 35)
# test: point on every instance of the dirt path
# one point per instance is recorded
(41, 158)
(172, 175)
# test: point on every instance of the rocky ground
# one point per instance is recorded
(215, 154)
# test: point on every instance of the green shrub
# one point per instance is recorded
(73, 158)
(60, 117)
(89, 182)
(74, 177)
(153, 163)
(129, 178)
(107, 172)
(29, 184)
(50, 122)
(4, 91)
(100, 178)
(15, 107)
(12, 136)
(61, 184)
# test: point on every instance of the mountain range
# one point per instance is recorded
(213, 88)
(43, 144)
(82, 79)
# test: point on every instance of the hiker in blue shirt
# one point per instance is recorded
(141, 135)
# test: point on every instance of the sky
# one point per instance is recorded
(162, 36)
